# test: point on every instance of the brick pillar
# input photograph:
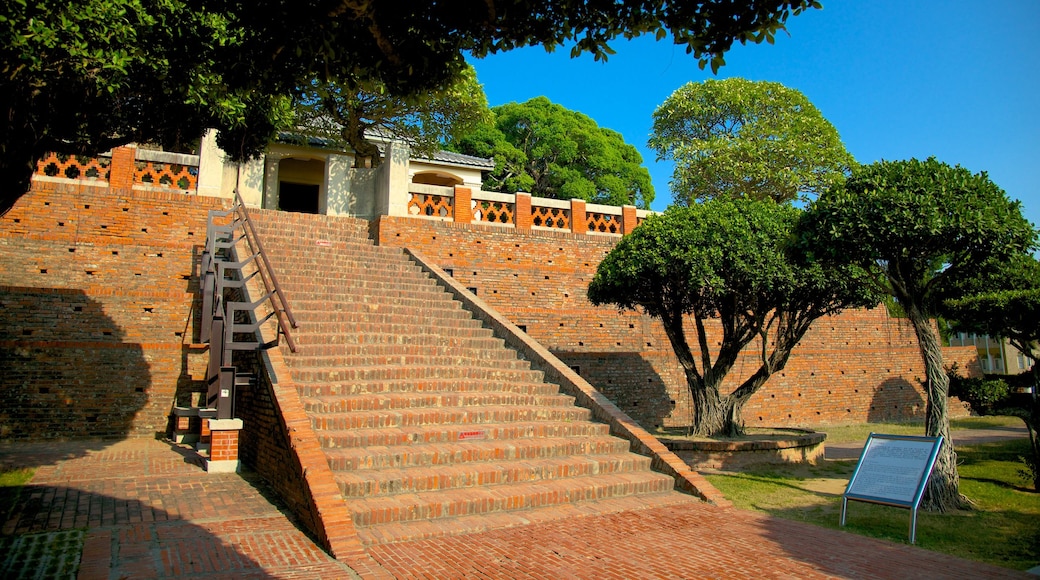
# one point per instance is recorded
(522, 211)
(121, 172)
(579, 223)
(463, 205)
(223, 450)
(628, 219)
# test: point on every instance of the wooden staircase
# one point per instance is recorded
(430, 424)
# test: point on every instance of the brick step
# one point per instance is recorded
(493, 358)
(452, 526)
(298, 223)
(432, 385)
(423, 344)
(444, 303)
(342, 264)
(361, 254)
(384, 313)
(346, 283)
(421, 400)
(435, 417)
(353, 291)
(397, 323)
(385, 482)
(318, 238)
(474, 338)
(412, 373)
(351, 332)
(501, 498)
(373, 448)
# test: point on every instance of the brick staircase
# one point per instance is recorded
(429, 423)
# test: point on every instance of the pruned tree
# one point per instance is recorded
(559, 154)
(357, 116)
(741, 138)
(732, 261)
(1002, 299)
(920, 226)
(85, 76)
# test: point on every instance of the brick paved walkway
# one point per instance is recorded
(151, 513)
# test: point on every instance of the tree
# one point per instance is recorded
(730, 260)
(920, 226)
(562, 154)
(510, 174)
(1002, 299)
(82, 77)
(736, 137)
(425, 121)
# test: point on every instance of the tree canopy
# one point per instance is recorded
(83, 77)
(560, 154)
(920, 226)
(730, 260)
(425, 121)
(1001, 299)
(735, 137)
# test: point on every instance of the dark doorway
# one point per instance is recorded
(298, 197)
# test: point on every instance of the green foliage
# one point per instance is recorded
(352, 115)
(81, 77)
(921, 225)
(740, 138)
(550, 151)
(1000, 298)
(981, 393)
(730, 259)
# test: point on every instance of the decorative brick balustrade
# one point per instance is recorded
(521, 211)
(124, 168)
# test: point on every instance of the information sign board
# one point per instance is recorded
(893, 470)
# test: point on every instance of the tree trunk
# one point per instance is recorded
(942, 491)
(710, 415)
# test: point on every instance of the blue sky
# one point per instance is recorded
(898, 79)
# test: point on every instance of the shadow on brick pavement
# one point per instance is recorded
(147, 510)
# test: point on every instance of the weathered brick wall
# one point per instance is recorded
(858, 366)
(96, 294)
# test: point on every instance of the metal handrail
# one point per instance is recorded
(267, 271)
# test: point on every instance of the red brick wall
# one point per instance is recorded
(96, 294)
(858, 366)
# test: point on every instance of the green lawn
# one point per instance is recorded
(1003, 528)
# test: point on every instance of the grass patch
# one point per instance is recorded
(857, 433)
(11, 484)
(1002, 529)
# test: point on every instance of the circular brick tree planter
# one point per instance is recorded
(760, 446)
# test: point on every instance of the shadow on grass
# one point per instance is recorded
(1002, 531)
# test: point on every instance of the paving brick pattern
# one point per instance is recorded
(151, 512)
(687, 541)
